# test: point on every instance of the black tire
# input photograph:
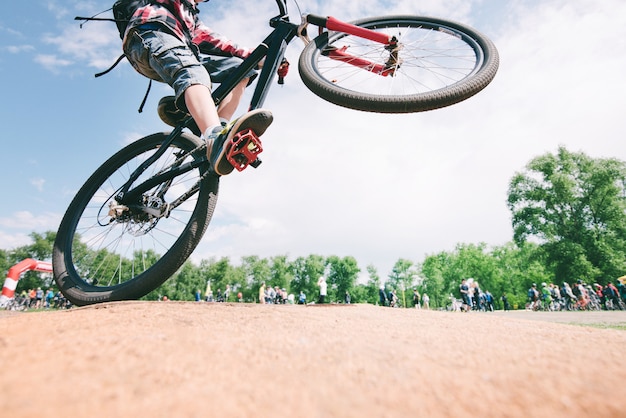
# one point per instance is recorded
(101, 255)
(443, 63)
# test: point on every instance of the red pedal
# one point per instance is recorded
(245, 147)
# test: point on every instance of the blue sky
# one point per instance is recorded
(420, 184)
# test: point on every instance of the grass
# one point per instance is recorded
(619, 327)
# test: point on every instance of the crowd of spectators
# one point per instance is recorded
(39, 299)
(267, 295)
(473, 298)
(275, 295)
(390, 298)
(547, 297)
(578, 296)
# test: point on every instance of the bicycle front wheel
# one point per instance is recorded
(105, 251)
(440, 63)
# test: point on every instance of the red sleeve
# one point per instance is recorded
(212, 43)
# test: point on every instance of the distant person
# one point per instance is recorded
(49, 297)
(581, 294)
(621, 290)
(270, 295)
(382, 296)
(488, 301)
(568, 296)
(545, 296)
(426, 301)
(39, 298)
(465, 296)
(347, 298)
(533, 298)
(321, 282)
(416, 299)
(262, 293)
(393, 298)
(505, 302)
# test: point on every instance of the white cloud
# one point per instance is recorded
(59, 10)
(52, 62)
(17, 49)
(11, 31)
(26, 222)
(13, 240)
(98, 44)
(38, 183)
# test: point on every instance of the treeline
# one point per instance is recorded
(568, 216)
(509, 268)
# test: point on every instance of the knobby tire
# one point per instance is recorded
(100, 258)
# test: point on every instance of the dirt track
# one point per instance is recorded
(173, 359)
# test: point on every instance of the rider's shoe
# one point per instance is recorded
(173, 116)
(257, 120)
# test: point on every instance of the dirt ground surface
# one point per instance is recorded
(185, 359)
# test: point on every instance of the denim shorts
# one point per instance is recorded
(163, 57)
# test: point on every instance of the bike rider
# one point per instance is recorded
(166, 41)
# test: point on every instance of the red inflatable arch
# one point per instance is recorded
(15, 272)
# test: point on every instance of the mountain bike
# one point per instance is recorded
(142, 213)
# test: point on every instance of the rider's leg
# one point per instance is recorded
(220, 69)
(201, 106)
(228, 106)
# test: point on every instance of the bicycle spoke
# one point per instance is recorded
(118, 242)
(431, 63)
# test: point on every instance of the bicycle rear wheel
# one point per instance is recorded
(104, 252)
(441, 63)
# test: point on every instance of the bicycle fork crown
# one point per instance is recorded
(244, 150)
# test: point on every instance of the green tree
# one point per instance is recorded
(5, 263)
(479, 264)
(281, 272)
(342, 276)
(444, 271)
(257, 271)
(574, 206)
(519, 267)
(402, 277)
(306, 271)
(360, 294)
(221, 274)
(434, 269)
(372, 286)
(181, 286)
(186, 282)
(41, 248)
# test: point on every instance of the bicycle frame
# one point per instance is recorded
(273, 50)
